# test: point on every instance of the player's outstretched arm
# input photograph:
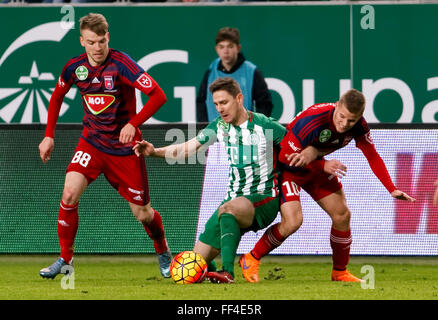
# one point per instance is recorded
(144, 148)
(309, 154)
(303, 158)
(46, 147)
(398, 194)
(173, 151)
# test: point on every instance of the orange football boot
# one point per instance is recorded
(250, 267)
(344, 276)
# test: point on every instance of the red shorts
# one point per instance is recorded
(127, 174)
(317, 184)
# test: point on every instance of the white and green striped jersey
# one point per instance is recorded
(251, 153)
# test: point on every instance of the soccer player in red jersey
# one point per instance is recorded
(107, 80)
(324, 127)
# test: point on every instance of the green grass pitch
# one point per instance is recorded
(130, 277)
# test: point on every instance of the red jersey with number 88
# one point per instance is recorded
(108, 97)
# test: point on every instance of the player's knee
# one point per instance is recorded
(342, 217)
(144, 214)
(226, 208)
(237, 207)
(70, 196)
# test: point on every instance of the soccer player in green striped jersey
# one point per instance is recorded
(250, 140)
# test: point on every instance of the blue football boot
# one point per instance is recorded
(59, 266)
(164, 260)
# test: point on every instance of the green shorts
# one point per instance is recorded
(266, 210)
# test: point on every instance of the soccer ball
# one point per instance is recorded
(188, 267)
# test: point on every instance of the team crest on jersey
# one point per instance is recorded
(222, 124)
(325, 135)
(109, 83)
(81, 72)
(97, 103)
(144, 81)
(254, 139)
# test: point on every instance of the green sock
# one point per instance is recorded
(230, 238)
(212, 266)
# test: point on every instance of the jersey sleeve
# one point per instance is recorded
(128, 68)
(308, 126)
(157, 99)
(133, 74)
(366, 145)
(66, 78)
(292, 144)
(279, 131)
(208, 135)
(145, 83)
(361, 129)
(63, 85)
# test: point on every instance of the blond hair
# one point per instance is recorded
(95, 22)
(354, 101)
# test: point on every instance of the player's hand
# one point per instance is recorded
(335, 167)
(46, 147)
(127, 133)
(398, 194)
(144, 148)
(435, 195)
(303, 158)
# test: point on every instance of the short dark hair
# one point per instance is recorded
(228, 84)
(228, 33)
(95, 22)
(353, 100)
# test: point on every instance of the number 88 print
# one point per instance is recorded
(82, 158)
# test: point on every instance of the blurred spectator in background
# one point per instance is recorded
(232, 63)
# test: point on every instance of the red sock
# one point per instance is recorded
(270, 240)
(68, 219)
(340, 241)
(155, 231)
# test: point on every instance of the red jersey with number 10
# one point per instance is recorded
(314, 126)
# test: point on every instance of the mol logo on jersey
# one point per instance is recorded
(26, 98)
(97, 103)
